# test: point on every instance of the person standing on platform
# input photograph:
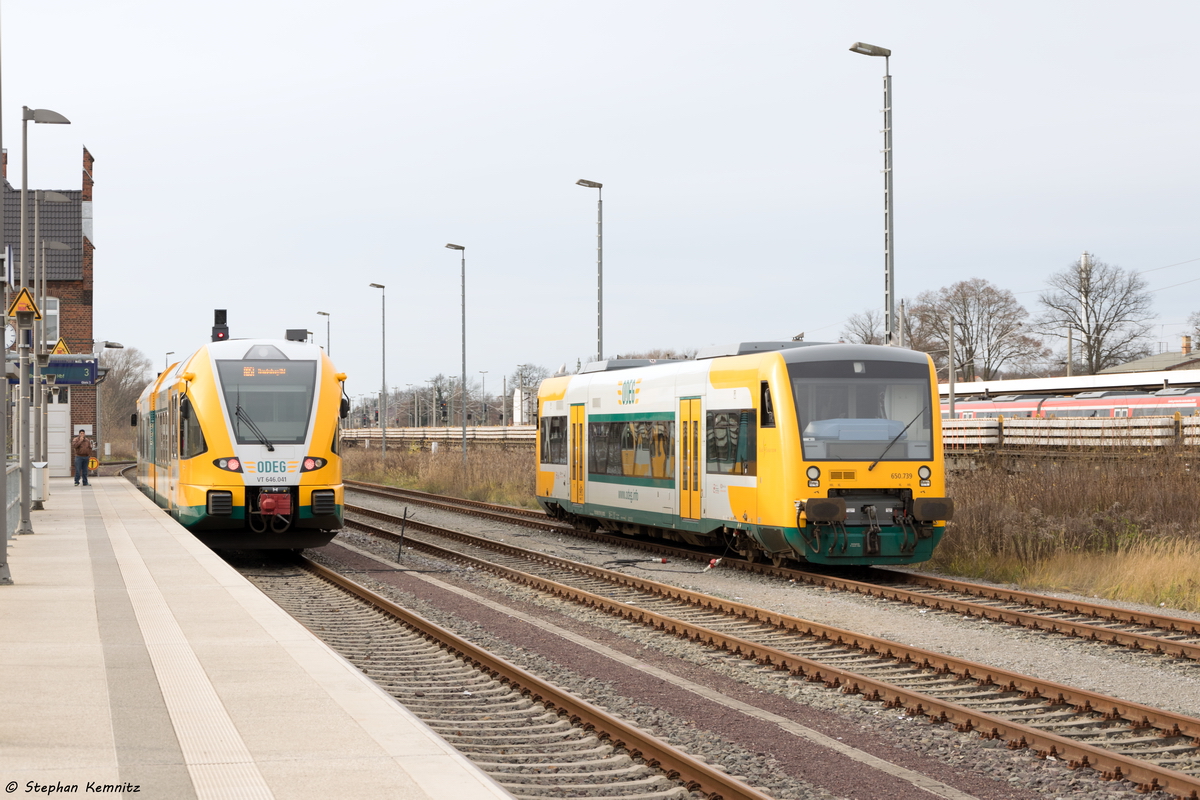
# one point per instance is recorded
(81, 446)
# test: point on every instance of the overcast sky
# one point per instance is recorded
(275, 158)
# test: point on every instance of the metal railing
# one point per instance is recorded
(13, 515)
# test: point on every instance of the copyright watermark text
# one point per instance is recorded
(58, 787)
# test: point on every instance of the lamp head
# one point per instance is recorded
(323, 313)
(869, 49)
(588, 184)
(43, 115)
(375, 286)
(455, 247)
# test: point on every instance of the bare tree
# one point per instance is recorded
(129, 372)
(864, 328)
(1105, 308)
(1194, 323)
(990, 333)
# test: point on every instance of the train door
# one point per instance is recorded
(689, 458)
(173, 453)
(578, 454)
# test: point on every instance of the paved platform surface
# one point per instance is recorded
(132, 656)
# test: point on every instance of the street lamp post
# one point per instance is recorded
(599, 187)
(42, 115)
(889, 276)
(383, 361)
(167, 359)
(101, 345)
(463, 401)
(41, 357)
(328, 349)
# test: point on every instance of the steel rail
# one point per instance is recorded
(1149, 643)
(694, 774)
(1111, 765)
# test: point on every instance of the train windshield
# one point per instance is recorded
(275, 396)
(863, 410)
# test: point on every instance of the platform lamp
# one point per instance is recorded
(328, 350)
(39, 115)
(463, 399)
(599, 187)
(889, 277)
(39, 335)
(383, 363)
(101, 345)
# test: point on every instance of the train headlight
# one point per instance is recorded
(228, 464)
(814, 476)
(923, 473)
(310, 463)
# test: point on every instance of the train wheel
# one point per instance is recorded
(751, 554)
(780, 560)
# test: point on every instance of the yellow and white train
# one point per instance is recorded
(826, 453)
(239, 442)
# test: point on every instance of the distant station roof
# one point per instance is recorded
(1148, 381)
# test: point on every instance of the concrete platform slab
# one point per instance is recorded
(135, 657)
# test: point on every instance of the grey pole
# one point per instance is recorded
(36, 400)
(950, 356)
(599, 187)
(504, 402)
(463, 399)
(483, 391)
(328, 349)
(383, 363)
(889, 285)
(5, 572)
(889, 210)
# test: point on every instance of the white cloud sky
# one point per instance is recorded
(275, 158)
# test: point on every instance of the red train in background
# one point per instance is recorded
(1109, 403)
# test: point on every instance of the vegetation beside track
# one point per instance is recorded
(1120, 529)
(1117, 528)
(494, 476)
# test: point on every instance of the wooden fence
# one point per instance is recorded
(1069, 433)
(512, 436)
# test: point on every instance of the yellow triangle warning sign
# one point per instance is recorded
(23, 302)
(61, 349)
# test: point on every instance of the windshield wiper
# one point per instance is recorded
(262, 437)
(893, 441)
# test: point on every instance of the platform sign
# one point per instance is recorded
(79, 370)
(23, 303)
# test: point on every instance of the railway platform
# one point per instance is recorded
(135, 661)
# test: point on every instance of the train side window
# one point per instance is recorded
(554, 440)
(731, 443)
(766, 409)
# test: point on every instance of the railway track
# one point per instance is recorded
(533, 738)
(1147, 632)
(1155, 749)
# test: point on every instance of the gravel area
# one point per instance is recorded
(994, 771)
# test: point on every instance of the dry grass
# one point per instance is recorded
(1122, 529)
(496, 476)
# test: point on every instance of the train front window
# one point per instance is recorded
(863, 410)
(276, 396)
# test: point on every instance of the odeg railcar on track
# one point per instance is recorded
(825, 453)
(239, 443)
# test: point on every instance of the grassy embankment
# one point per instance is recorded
(1125, 529)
